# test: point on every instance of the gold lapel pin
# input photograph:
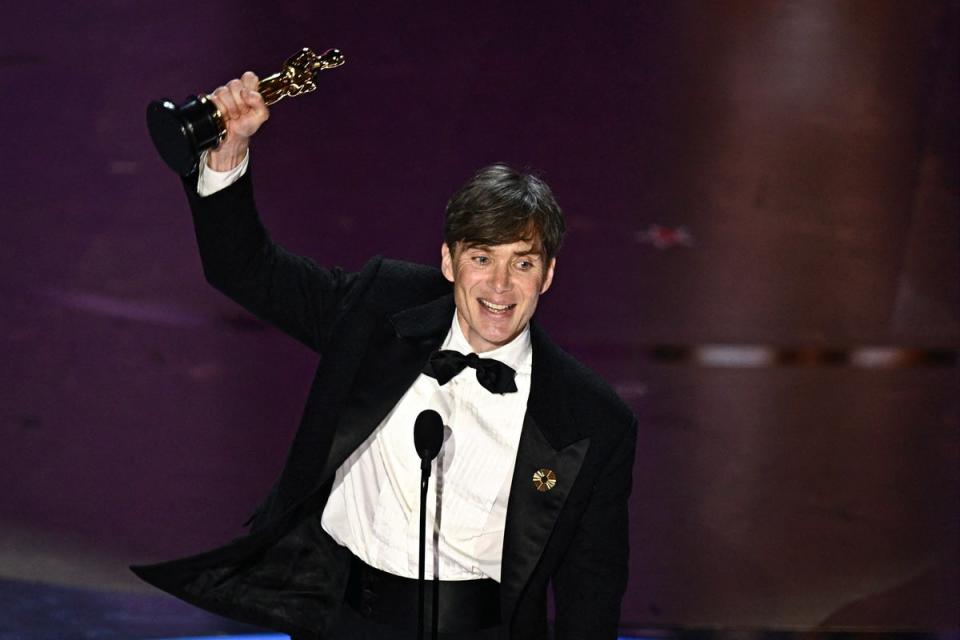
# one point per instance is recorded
(544, 479)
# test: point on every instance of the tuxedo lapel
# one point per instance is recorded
(396, 354)
(549, 442)
(532, 513)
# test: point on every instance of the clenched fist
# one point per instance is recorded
(243, 111)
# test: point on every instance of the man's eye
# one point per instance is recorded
(480, 259)
(525, 265)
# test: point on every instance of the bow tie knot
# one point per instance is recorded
(493, 375)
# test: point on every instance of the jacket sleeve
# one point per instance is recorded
(592, 578)
(239, 258)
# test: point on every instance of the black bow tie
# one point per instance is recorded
(493, 375)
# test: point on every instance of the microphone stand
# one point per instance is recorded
(425, 461)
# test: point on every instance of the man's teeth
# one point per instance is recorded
(496, 307)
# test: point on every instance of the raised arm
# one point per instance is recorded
(239, 258)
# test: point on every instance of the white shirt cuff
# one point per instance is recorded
(210, 181)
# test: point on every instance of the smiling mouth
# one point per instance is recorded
(495, 308)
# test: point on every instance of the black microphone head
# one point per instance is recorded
(428, 434)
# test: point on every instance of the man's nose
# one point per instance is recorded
(501, 278)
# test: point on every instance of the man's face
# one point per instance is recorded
(496, 289)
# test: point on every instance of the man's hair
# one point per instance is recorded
(500, 205)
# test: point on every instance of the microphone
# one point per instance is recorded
(428, 437)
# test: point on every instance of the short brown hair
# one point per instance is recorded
(500, 205)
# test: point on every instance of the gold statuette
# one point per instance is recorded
(298, 75)
(181, 133)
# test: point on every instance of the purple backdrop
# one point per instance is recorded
(803, 154)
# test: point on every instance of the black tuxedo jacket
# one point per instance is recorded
(375, 330)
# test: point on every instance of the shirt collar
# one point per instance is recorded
(516, 353)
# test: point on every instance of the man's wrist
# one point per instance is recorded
(228, 155)
(211, 180)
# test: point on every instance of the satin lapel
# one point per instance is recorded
(550, 441)
(396, 354)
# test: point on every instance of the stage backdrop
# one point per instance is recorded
(762, 259)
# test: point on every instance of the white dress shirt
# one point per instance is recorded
(373, 508)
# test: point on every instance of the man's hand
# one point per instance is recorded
(243, 112)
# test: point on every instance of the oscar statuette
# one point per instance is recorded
(182, 132)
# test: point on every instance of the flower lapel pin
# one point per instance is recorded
(544, 480)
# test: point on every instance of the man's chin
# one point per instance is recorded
(495, 339)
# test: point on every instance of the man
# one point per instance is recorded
(535, 467)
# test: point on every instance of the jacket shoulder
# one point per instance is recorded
(570, 392)
(396, 284)
(594, 391)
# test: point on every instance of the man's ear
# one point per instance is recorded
(446, 262)
(548, 279)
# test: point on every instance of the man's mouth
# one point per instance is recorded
(495, 308)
